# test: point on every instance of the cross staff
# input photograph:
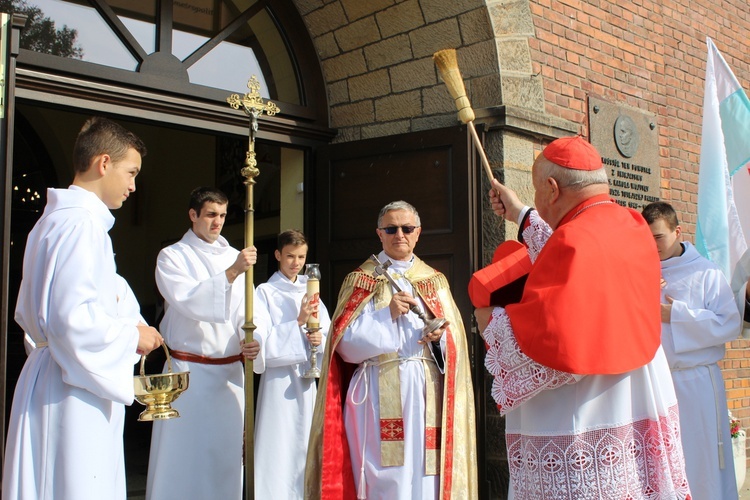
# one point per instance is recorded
(253, 105)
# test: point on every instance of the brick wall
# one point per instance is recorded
(649, 55)
(736, 369)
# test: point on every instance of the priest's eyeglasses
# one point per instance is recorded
(394, 229)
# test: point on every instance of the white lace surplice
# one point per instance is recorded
(584, 437)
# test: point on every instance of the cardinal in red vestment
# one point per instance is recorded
(577, 362)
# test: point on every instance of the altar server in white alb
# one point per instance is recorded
(199, 455)
(83, 332)
(286, 399)
(699, 316)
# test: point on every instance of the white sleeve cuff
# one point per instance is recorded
(522, 214)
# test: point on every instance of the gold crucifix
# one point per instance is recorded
(253, 105)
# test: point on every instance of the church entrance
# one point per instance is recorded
(162, 69)
(178, 160)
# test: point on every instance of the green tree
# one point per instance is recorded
(40, 34)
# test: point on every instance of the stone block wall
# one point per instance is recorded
(377, 60)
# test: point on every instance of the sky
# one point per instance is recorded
(219, 68)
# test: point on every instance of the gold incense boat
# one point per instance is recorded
(157, 392)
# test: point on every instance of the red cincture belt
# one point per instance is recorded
(197, 358)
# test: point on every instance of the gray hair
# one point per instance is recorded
(399, 205)
(571, 178)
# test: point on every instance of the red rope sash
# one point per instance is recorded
(204, 360)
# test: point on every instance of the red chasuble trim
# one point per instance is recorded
(336, 482)
(432, 438)
(337, 478)
(431, 300)
(391, 429)
(591, 301)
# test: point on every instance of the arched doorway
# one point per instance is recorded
(165, 74)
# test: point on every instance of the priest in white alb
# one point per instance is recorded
(394, 417)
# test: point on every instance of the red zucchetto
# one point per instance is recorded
(573, 152)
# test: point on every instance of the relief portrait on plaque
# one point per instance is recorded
(626, 136)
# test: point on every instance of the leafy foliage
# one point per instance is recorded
(735, 425)
(40, 34)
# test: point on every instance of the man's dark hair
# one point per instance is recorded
(660, 210)
(291, 237)
(201, 195)
(103, 136)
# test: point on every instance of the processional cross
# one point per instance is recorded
(253, 105)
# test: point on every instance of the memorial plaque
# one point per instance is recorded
(628, 140)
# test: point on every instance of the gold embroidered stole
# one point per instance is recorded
(454, 439)
(391, 415)
(389, 385)
(427, 288)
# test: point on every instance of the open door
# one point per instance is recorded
(10, 35)
(437, 171)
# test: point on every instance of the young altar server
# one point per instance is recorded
(286, 399)
(199, 455)
(698, 316)
(83, 331)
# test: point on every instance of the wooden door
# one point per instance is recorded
(432, 170)
(436, 171)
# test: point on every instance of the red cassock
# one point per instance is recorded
(580, 312)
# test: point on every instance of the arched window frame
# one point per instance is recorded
(64, 80)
